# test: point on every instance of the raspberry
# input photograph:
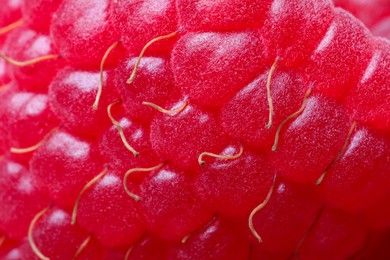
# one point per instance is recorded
(339, 233)
(213, 62)
(32, 11)
(37, 76)
(71, 94)
(123, 222)
(377, 19)
(367, 11)
(203, 129)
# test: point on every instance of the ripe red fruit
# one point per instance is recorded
(171, 208)
(293, 29)
(243, 116)
(154, 83)
(234, 187)
(33, 11)
(10, 12)
(335, 235)
(367, 11)
(182, 137)
(221, 239)
(83, 31)
(64, 239)
(372, 107)
(212, 63)
(117, 156)
(64, 164)
(25, 44)
(312, 141)
(149, 19)
(20, 198)
(360, 177)
(120, 220)
(71, 95)
(286, 217)
(27, 111)
(193, 129)
(346, 48)
(209, 15)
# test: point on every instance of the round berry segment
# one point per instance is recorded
(194, 129)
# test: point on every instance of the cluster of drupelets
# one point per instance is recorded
(192, 130)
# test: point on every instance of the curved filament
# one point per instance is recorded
(28, 62)
(227, 157)
(132, 195)
(31, 241)
(11, 26)
(257, 209)
(165, 111)
(120, 129)
(293, 115)
(101, 80)
(34, 147)
(86, 187)
(269, 97)
(134, 73)
(321, 178)
(82, 246)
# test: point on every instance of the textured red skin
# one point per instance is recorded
(38, 13)
(150, 247)
(210, 80)
(373, 107)
(245, 116)
(196, 129)
(64, 164)
(25, 44)
(370, 12)
(234, 187)
(121, 221)
(4, 95)
(20, 198)
(4, 77)
(64, 239)
(335, 235)
(21, 112)
(287, 216)
(312, 141)
(27, 111)
(340, 59)
(213, 63)
(211, 15)
(10, 12)
(171, 210)
(83, 37)
(293, 29)
(117, 156)
(19, 251)
(93, 250)
(222, 239)
(149, 19)
(154, 83)
(362, 170)
(72, 93)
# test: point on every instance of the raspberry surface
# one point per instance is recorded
(206, 129)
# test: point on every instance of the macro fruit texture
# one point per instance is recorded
(194, 129)
(375, 14)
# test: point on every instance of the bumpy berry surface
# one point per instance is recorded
(375, 14)
(194, 129)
